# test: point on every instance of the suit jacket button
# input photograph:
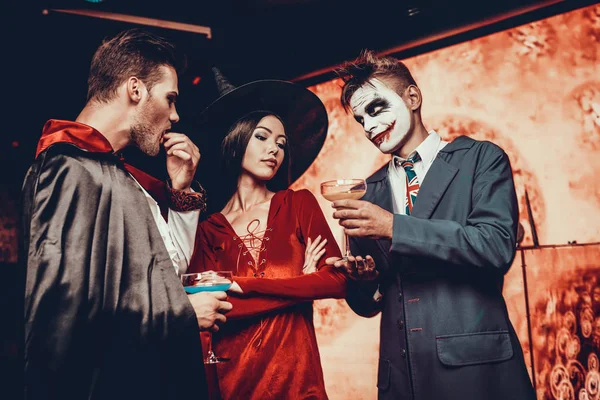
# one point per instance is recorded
(400, 323)
(403, 353)
(400, 297)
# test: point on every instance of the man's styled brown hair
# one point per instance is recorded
(368, 66)
(133, 52)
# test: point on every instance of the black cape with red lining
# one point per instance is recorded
(105, 315)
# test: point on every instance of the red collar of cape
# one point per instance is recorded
(89, 139)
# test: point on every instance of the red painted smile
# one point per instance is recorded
(383, 136)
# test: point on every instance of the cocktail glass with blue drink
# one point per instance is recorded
(211, 281)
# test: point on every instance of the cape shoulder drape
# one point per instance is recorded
(105, 316)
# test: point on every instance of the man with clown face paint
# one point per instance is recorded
(438, 225)
(385, 116)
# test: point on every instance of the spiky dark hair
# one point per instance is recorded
(368, 66)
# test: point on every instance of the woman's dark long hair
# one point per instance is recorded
(233, 149)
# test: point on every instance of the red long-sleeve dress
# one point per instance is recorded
(269, 334)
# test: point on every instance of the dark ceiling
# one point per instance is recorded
(288, 39)
(48, 53)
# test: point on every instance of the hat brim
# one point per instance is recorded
(302, 112)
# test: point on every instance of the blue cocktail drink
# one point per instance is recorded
(210, 281)
(207, 287)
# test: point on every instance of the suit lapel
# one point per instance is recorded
(438, 178)
(382, 196)
(436, 182)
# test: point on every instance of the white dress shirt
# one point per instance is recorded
(178, 234)
(428, 150)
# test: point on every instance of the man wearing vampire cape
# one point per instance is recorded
(105, 315)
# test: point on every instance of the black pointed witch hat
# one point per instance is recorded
(303, 114)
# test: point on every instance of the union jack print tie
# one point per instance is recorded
(412, 183)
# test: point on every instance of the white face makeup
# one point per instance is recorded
(383, 114)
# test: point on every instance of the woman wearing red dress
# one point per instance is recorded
(262, 234)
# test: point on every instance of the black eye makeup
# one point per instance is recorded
(376, 106)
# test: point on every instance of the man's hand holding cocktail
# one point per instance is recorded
(357, 268)
(364, 219)
(210, 308)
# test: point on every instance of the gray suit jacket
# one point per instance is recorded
(445, 330)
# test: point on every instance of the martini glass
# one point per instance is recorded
(344, 189)
(211, 281)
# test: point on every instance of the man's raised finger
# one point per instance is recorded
(178, 146)
(171, 138)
